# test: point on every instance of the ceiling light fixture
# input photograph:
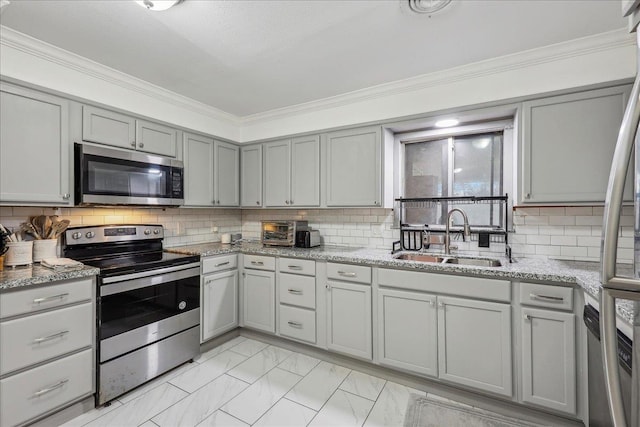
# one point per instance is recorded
(158, 5)
(427, 6)
(446, 123)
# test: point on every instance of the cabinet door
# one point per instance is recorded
(277, 173)
(259, 300)
(108, 127)
(227, 174)
(305, 171)
(219, 303)
(349, 319)
(408, 331)
(156, 138)
(34, 153)
(474, 344)
(198, 170)
(549, 359)
(354, 167)
(251, 176)
(568, 143)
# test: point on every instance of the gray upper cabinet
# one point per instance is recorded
(119, 130)
(567, 146)
(198, 171)
(354, 167)
(251, 176)
(35, 149)
(292, 172)
(226, 180)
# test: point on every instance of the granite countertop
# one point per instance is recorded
(584, 274)
(36, 274)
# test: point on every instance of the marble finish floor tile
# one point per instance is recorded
(318, 386)
(221, 419)
(343, 409)
(363, 385)
(391, 406)
(156, 382)
(259, 364)
(207, 371)
(219, 349)
(299, 363)
(286, 413)
(149, 424)
(193, 409)
(91, 415)
(252, 403)
(249, 347)
(141, 409)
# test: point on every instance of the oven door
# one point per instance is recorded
(138, 309)
(106, 176)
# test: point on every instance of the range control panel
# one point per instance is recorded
(113, 233)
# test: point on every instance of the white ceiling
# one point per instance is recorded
(246, 57)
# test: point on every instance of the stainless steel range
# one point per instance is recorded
(148, 303)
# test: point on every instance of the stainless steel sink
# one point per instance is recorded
(480, 262)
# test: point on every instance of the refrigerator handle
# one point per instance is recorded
(613, 201)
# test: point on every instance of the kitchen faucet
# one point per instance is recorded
(447, 237)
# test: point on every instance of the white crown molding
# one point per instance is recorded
(556, 52)
(37, 48)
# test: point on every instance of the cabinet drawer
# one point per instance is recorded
(259, 262)
(29, 394)
(219, 263)
(297, 266)
(43, 336)
(537, 295)
(32, 300)
(298, 323)
(349, 273)
(297, 290)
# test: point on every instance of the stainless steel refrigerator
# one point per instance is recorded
(616, 286)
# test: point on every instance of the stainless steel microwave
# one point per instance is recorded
(105, 176)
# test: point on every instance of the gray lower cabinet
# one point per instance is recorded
(226, 170)
(198, 170)
(349, 318)
(259, 293)
(353, 167)
(35, 150)
(474, 344)
(219, 303)
(408, 331)
(567, 145)
(251, 176)
(549, 359)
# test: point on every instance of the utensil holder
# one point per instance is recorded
(43, 249)
(19, 253)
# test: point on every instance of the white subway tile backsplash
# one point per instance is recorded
(588, 220)
(562, 220)
(563, 240)
(578, 230)
(535, 239)
(554, 230)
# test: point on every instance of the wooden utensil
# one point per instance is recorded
(29, 228)
(58, 228)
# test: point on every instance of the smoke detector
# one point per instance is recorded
(427, 6)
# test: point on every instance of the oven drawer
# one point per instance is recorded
(45, 297)
(297, 266)
(297, 290)
(219, 263)
(298, 323)
(43, 336)
(39, 390)
(259, 262)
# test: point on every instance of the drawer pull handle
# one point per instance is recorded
(294, 267)
(222, 263)
(47, 299)
(347, 274)
(294, 291)
(257, 263)
(527, 317)
(546, 298)
(50, 389)
(295, 324)
(50, 337)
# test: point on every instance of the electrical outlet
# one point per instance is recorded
(214, 228)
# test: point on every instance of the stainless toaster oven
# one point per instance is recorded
(281, 233)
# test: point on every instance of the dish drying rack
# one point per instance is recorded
(412, 236)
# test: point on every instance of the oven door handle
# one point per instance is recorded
(125, 285)
(123, 277)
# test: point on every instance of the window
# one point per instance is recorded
(469, 164)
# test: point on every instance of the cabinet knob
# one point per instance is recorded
(527, 317)
(257, 202)
(286, 201)
(141, 145)
(527, 196)
(440, 304)
(66, 196)
(217, 202)
(133, 143)
(290, 202)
